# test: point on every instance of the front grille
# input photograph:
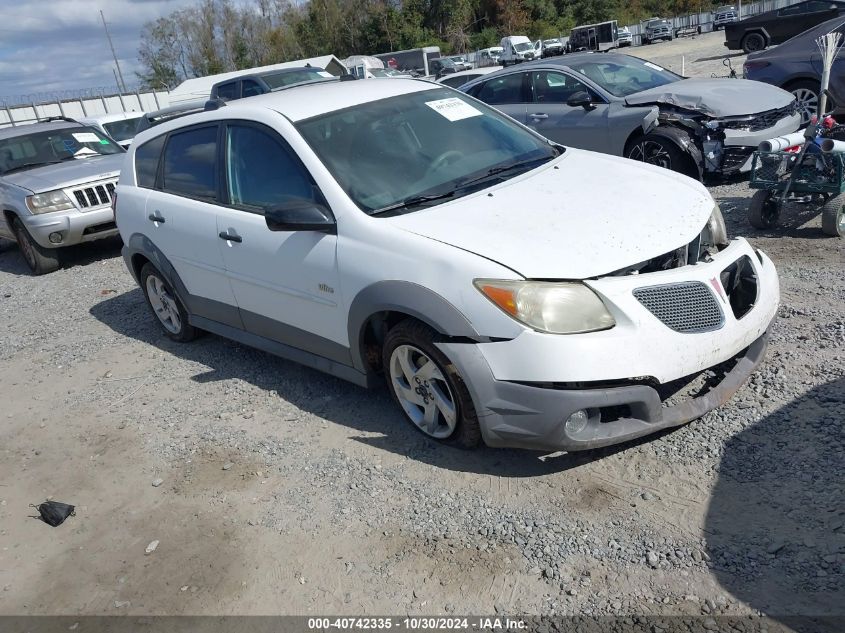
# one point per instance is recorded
(684, 307)
(762, 121)
(95, 195)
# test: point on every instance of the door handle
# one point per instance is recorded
(156, 217)
(230, 238)
(539, 115)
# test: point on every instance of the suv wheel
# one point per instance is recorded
(39, 259)
(166, 305)
(753, 42)
(427, 387)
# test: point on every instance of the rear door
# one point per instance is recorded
(182, 220)
(507, 93)
(573, 126)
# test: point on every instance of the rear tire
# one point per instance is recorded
(39, 259)
(427, 387)
(807, 94)
(753, 42)
(764, 210)
(166, 305)
(833, 216)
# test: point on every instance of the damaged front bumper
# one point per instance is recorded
(647, 373)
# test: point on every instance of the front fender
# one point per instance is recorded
(408, 298)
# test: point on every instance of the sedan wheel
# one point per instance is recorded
(651, 152)
(808, 102)
(422, 391)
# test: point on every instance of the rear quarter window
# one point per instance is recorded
(147, 158)
(190, 163)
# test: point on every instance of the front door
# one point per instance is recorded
(567, 125)
(286, 283)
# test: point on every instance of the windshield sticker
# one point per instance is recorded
(104, 141)
(453, 108)
(323, 73)
(652, 66)
(85, 152)
(86, 137)
(70, 145)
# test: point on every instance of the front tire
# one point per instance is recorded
(807, 94)
(166, 305)
(39, 259)
(833, 216)
(764, 210)
(427, 386)
(660, 151)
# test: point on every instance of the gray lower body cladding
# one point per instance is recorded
(534, 417)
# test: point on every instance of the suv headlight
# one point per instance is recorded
(554, 307)
(715, 233)
(49, 202)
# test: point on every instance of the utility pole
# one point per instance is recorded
(116, 63)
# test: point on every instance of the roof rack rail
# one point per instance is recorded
(214, 104)
(50, 119)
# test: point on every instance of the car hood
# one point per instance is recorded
(593, 215)
(67, 174)
(715, 97)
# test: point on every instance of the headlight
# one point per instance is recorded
(557, 308)
(715, 233)
(49, 202)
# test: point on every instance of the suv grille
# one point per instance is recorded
(762, 121)
(95, 196)
(683, 307)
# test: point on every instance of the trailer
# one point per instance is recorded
(416, 61)
(603, 36)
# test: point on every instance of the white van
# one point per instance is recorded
(515, 49)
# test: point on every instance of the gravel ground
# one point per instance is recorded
(275, 489)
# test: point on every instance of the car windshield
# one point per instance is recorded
(654, 23)
(399, 153)
(550, 42)
(624, 76)
(36, 149)
(522, 47)
(123, 130)
(290, 77)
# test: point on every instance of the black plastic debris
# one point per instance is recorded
(54, 512)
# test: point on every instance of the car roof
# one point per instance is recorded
(272, 73)
(303, 101)
(30, 128)
(484, 70)
(108, 118)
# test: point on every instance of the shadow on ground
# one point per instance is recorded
(11, 260)
(372, 413)
(776, 522)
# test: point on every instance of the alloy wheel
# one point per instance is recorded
(652, 153)
(163, 304)
(808, 103)
(422, 391)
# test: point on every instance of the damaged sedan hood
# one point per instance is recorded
(593, 215)
(715, 97)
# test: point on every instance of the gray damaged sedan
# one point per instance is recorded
(57, 182)
(623, 105)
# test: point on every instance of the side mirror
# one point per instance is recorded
(581, 99)
(299, 214)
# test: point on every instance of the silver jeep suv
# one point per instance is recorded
(57, 181)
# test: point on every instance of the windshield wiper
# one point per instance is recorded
(501, 169)
(412, 202)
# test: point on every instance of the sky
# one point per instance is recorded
(49, 46)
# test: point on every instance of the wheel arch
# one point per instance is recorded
(684, 142)
(384, 304)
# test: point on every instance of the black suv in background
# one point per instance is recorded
(773, 27)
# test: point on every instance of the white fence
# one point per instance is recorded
(82, 107)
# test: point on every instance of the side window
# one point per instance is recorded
(190, 163)
(261, 170)
(146, 162)
(228, 91)
(507, 89)
(553, 87)
(251, 88)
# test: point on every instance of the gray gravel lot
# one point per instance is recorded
(282, 490)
